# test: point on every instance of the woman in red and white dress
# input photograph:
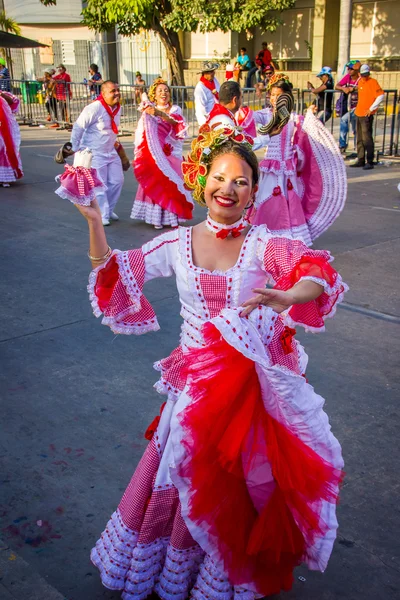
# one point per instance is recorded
(10, 140)
(239, 482)
(161, 198)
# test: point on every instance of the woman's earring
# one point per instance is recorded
(250, 204)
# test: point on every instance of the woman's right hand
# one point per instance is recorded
(91, 213)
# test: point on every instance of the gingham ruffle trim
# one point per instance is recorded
(116, 323)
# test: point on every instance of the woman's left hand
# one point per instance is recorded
(278, 300)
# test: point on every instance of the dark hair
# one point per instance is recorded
(244, 49)
(228, 90)
(240, 150)
(286, 86)
(94, 68)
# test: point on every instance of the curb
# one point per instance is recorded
(18, 581)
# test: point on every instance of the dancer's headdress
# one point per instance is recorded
(152, 89)
(196, 167)
(276, 77)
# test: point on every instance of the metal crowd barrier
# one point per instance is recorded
(73, 97)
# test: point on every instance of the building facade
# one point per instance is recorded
(307, 40)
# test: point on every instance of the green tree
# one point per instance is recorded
(11, 26)
(8, 24)
(168, 17)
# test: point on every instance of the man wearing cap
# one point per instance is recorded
(324, 102)
(5, 82)
(348, 101)
(206, 92)
(370, 95)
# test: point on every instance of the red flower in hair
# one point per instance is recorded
(191, 170)
(167, 149)
(239, 138)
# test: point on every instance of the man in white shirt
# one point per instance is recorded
(97, 128)
(206, 92)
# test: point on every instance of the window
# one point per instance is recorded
(68, 52)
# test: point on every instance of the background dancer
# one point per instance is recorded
(10, 140)
(161, 198)
(229, 495)
(97, 128)
(229, 110)
(206, 92)
(303, 184)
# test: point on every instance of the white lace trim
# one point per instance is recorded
(153, 214)
(140, 569)
(7, 174)
(82, 200)
(308, 328)
(333, 173)
(128, 279)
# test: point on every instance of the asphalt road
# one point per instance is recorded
(76, 399)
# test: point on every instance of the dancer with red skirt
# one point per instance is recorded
(240, 479)
(161, 198)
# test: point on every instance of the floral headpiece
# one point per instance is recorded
(152, 89)
(276, 78)
(195, 168)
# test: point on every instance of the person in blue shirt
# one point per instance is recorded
(5, 82)
(95, 81)
(243, 61)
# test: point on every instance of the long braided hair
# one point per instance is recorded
(284, 105)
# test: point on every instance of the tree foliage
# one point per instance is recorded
(168, 17)
(8, 24)
(184, 15)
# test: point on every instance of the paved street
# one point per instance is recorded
(76, 399)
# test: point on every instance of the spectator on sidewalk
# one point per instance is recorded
(48, 86)
(206, 92)
(263, 60)
(5, 81)
(346, 105)
(243, 62)
(324, 100)
(63, 95)
(140, 86)
(97, 128)
(95, 81)
(370, 96)
(263, 85)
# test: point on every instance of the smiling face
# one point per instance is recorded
(162, 95)
(275, 93)
(229, 188)
(111, 93)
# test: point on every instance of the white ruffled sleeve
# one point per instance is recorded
(116, 287)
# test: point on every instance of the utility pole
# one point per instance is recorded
(344, 36)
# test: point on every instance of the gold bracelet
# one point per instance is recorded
(100, 259)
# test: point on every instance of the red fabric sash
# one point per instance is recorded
(219, 109)
(8, 140)
(210, 85)
(111, 111)
(228, 436)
